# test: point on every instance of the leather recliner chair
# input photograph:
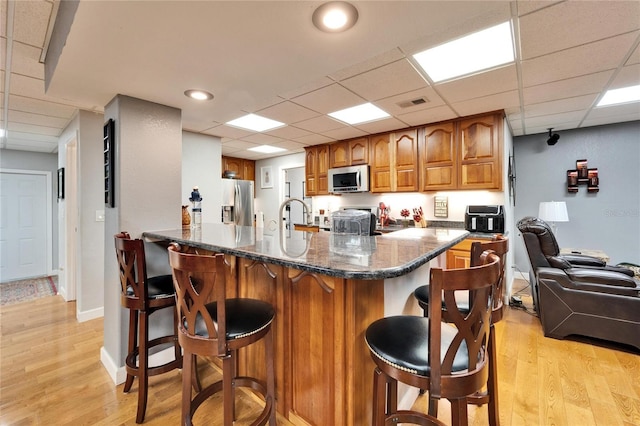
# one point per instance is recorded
(581, 295)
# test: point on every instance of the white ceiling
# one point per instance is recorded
(266, 57)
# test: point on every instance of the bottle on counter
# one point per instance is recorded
(196, 208)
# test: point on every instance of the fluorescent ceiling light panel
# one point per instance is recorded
(266, 149)
(255, 123)
(476, 52)
(620, 96)
(359, 114)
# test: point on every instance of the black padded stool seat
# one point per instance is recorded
(157, 287)
(243, 316)
(392, 339)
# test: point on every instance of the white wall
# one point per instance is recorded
(202, 167)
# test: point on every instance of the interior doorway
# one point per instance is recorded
(25, 224)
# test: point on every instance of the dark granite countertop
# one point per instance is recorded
(368, 258)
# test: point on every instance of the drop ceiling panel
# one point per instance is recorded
(607, 120)
(34, 128)
(388, 80)
(369, 64)
(614, 111)
(225, 131)
(476, 86)
(634, 58)
(345, 133)
(262, 139)
(31, 21)
(380, 126)
(556, 120)
(487, 103)
(38, 106)
(25, 61)
(287, 112)
(320, 124)
(313, 139)
(430, 115)
(37, 119)
(591, 58)
(628, 76)
(587, 84)
(570, 24)
(579, 103)
(329, 99)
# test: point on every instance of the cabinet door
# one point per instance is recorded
(233, 164)
(480, 155)
(359, 151)
(438, 157)
(310, 167)
(249, 170)
(405, 146)
(322, 175)
(339, 154)
(380, 165)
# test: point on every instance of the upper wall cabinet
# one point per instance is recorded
(316, 170)
(462, 154)
(349, 153)
(394, 161)
(245, 169)
(480, 154)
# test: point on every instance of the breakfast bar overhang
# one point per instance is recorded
(326, 289)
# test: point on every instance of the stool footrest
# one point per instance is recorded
(132, 366)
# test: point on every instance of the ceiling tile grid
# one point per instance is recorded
(571, 53)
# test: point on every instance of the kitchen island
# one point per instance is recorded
(326, 289)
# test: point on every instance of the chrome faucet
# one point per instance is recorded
(286, 203)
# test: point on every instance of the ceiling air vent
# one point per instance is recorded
(413, 102)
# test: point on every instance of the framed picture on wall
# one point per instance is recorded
(266, 177)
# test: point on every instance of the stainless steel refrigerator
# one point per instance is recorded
(237, 202)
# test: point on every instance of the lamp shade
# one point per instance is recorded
(553, 211)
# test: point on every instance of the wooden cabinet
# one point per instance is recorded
(316, 170)
(245, 169)
(349, 153)
(380, 163)
(405, 167)
(459, 256)
(438, 157)
(480, 154)
(462, 154)
(394, 162)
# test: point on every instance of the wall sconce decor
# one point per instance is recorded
(582, 175)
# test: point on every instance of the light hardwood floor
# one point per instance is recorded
(50, 374)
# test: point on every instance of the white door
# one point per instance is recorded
(23, 226)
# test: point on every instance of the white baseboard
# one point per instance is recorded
(90, 314)
(119, 374)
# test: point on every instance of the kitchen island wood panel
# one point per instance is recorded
(326, 290)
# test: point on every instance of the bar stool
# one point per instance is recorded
(143, 296)
(212, 325)
(500, 246)
(449, 360)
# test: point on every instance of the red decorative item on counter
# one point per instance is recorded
(404, 213)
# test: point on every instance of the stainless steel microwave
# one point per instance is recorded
(349, 179)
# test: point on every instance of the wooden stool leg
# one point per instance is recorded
(379, 397)
(459, 412)
(176, 345)
(143, 363)
(271, 376)
(187, 367)
(195, 377)
(392, 395)
(228, 394)
(133, 342)
(433, 406)
(492, 383)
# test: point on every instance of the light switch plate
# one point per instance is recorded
(99, 215)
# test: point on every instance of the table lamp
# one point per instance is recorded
(552, 212)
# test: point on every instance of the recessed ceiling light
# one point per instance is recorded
(475, 52)
(255, 123)
(620, 96)
(266, 149)
(200, 95)
(360, 114)
(335, 16)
